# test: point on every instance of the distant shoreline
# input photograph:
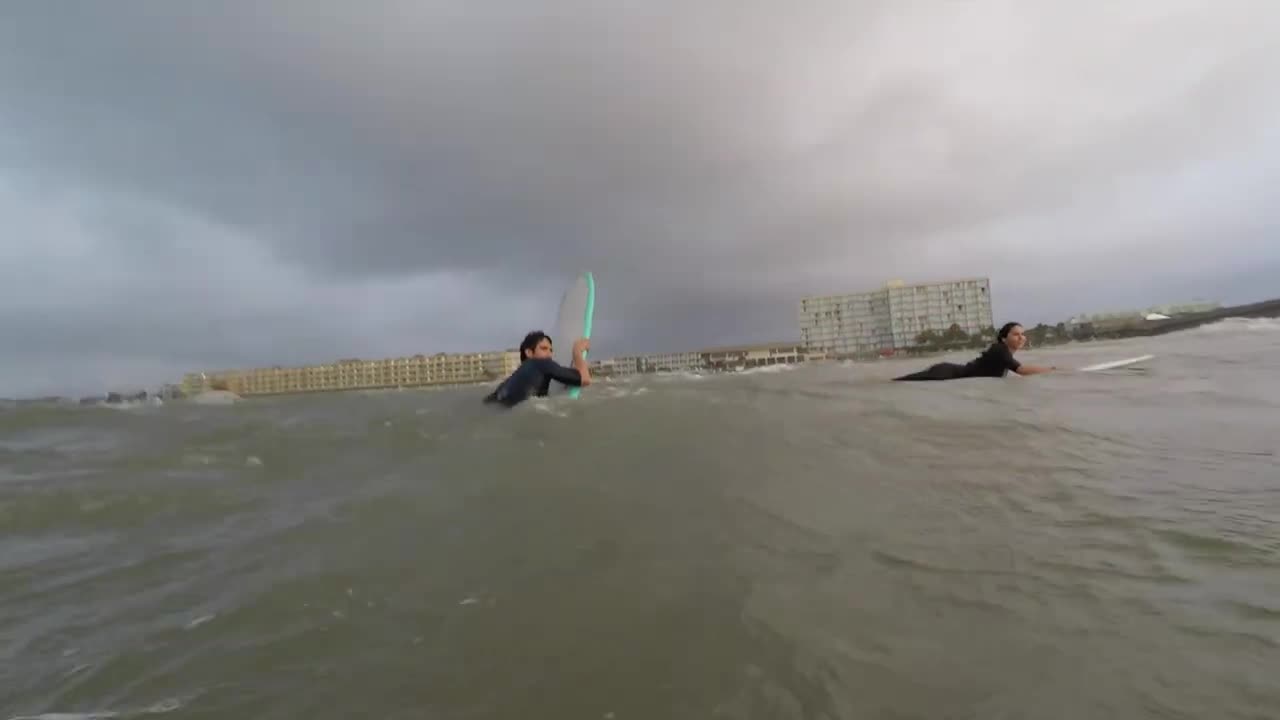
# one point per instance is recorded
(1149, 328)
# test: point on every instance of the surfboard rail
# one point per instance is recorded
(588, 316)
(1115, 364)
(575, 320)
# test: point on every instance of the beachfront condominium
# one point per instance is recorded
(892, 317)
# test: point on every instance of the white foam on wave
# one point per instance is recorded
(167, 705)
(164, 706)
(199, 621)
(767, 370)
(560, 406)
(134, 404)
(615, 388)
(1242, 325)
(548, 406)
(677, 376)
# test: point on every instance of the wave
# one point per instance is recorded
(248, 551)
(1231, 325)
(767, 370)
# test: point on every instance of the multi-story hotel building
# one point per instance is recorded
(892, 317)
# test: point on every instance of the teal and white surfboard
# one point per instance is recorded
(577, 309)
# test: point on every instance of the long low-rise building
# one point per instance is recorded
(655, 362)
(356, 374)
(467, 368)
(722, 358)
(749, 356)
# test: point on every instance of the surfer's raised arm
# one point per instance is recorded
(580, 348)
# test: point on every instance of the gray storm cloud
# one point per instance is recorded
(429, 175)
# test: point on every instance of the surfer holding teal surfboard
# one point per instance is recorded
(540, 363)
(538, 368)
(995, 361)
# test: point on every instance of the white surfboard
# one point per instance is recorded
(1116, 363)
(577, 311)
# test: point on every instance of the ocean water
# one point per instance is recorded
(799, 543)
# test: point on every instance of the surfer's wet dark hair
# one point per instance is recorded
(1004, 331)
(531, 341)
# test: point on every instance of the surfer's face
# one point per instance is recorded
(1015, 339)
(541, 351)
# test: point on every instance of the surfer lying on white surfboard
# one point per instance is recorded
(995, 361)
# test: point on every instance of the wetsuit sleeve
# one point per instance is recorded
(560, 373)
(1008, 360)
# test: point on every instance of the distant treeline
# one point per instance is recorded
(1264, 309)
(955, 338)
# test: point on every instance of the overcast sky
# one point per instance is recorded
(192, 186)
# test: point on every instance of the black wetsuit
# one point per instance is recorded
(533, 377)
(994, 362)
